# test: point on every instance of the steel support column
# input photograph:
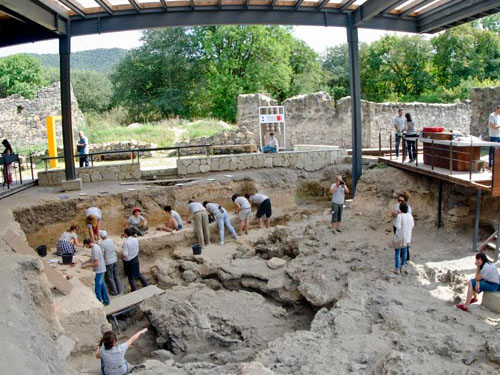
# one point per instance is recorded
(497, 247)
(440, 203)
(352, 41)
(67, 127)
(476, 220)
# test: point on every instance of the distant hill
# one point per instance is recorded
(101, 59)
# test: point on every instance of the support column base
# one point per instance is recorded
(70, 185)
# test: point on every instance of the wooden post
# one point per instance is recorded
(416, 152)
(470, 161)
(31, 166)
(451, 157)
(476, 220)
(390, 146)
(432, 155)
(379, 144)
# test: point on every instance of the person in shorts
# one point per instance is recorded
(243, 209)
(338, 190)
(264, 207)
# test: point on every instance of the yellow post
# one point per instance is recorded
(51, 138)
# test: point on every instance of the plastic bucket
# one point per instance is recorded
(67, 258)
(196, 249)
(42, 250)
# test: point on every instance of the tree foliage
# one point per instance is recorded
(20, 74)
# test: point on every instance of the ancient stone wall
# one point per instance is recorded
(22, 121)
(317, 119)
(309, 161)
(114, 172)
(484, 101)
(238, 136)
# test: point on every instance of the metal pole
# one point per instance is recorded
(432, 155)
(440, 203)
(31, 166)
(476, 220)
(498, 242)
(416, 152)
(390, 146)
(67, 127)
(470, 161)
(379, 144)
(352, 41)
(451, 158)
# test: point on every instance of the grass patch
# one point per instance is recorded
(161, 135)
(201, 128)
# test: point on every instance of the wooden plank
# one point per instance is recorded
(55, 278)
(495, 191)
(130, 299)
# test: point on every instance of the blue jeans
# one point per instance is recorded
(100, 288)
(485, 286)
(267, 149)
(492, 149)
(400, 257)
(398, 141)
(222, 220)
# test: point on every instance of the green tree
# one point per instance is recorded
(20, 74)
(336, 66)
(93, 90)
(396, 67)
(307, 73)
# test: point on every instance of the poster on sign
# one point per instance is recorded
(272, 121)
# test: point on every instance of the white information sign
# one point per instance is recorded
(269, 119)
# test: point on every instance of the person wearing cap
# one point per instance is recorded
(111, 261)
(272, 145)
(494, 131)
(200, 219)
(96, 261)
(137, 222)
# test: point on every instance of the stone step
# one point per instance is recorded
(155, 174)
(491, 300)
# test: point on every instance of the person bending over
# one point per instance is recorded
(67, 242)
(93, 217)
(264, 207)
(243, 209)
(200, 220)
(221, 218)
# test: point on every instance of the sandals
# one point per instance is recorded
(461, 306)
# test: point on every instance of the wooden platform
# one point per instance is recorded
(125, 301)
(480, 180)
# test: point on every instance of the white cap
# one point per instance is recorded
(103, 234)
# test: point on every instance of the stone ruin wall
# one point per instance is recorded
(22, 121)
(317, 119)
(484, 101)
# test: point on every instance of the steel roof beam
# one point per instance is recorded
(346, 5)
(37, 13)
(164, 3)
(135, 5)
(74, 7)
(371, 9)
(415, 7)
(298, 4)
(451, 15)
(400, 2)
(323, 4)
(104, 4)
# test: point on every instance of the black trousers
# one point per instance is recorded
(84, 160)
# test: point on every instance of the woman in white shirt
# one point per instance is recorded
(93, 217)
(221, 218)
(243, 209)
(404, 227)
(112, 356)
(130, 257)
(485, 280)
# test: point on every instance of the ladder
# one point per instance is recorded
(491, 243)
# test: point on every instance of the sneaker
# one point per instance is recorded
(474, 300)
(396, 271)
(340, 230)
(461, 306)
(222, 242)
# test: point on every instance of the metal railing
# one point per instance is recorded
(7, 160)
(135, 152)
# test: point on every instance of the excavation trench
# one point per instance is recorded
(222, 307)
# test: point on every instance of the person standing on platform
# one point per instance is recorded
(411, 138)
(83, 149)
(494, 131)
(399, 124)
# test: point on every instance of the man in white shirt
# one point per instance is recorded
(130, 256)
(96, 261)
(243, 209)
(111, 260)
(494, 131)
(264, 207)
(399, 124)
(272, 145)
(200, 220)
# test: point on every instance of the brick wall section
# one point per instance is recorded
(484, 101)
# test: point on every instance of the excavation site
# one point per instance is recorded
(295, 298)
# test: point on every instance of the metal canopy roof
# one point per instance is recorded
(24, 21)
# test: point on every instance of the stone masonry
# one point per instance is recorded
(484, 101)
(317, 119)
(22, 121)
(308, 161)
(113, 172)
(240, 135)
